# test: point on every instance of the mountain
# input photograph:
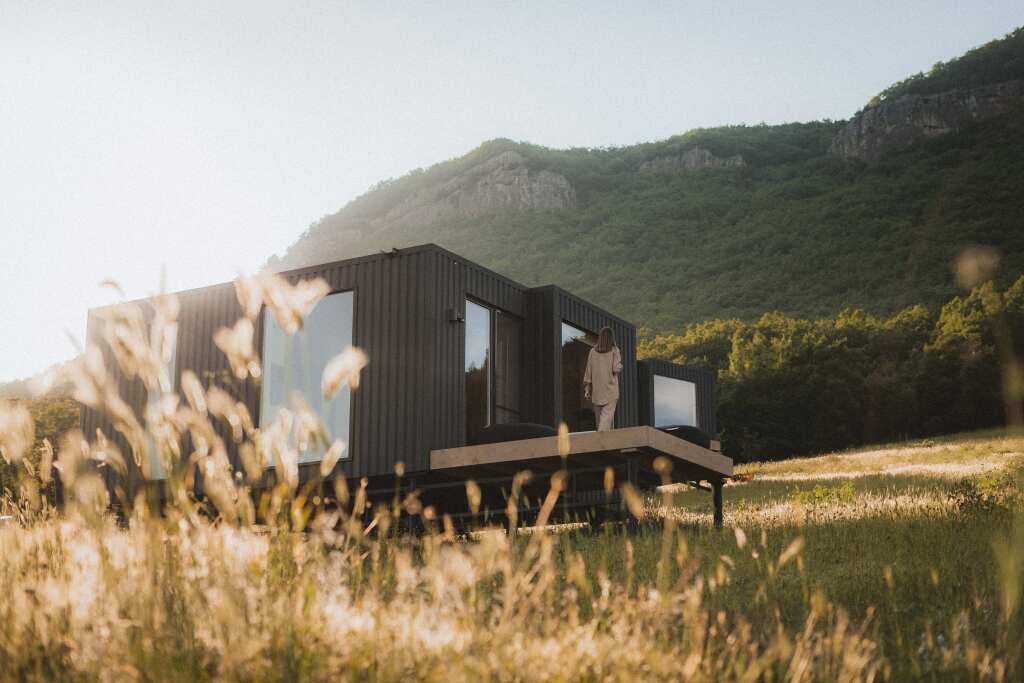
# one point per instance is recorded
(803, 218)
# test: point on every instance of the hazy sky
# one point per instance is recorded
(204, 137)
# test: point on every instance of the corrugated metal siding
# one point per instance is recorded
(131, 390)
(453, 281)
(392, 322)
(704, 379)
(202, 313)
(539, 352)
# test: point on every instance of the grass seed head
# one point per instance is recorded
(343, 370)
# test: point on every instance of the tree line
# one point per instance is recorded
(793, 386)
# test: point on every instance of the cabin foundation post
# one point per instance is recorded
(633, 472)
(716, 494)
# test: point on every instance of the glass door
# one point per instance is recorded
(577, 411)
(494, 366)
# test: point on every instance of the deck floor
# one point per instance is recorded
(690, 461)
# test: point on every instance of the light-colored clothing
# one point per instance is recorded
(604, 415)
(602, 375)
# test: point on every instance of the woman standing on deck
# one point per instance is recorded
(601, 379)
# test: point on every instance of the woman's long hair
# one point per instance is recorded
(605, 340)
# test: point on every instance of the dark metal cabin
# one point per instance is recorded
(452, 347)
(410, 316)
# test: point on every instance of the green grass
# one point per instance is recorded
(858, 529)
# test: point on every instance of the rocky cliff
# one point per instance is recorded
(898, 123)
(693, 159)
(501, 183)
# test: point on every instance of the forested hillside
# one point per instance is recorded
(728, 222)
(995, 62)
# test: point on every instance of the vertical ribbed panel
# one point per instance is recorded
(445, 390)
(131, 390)
(202, 313)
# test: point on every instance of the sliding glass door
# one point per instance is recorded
(577, 411)
(508, 367)
(493, 367)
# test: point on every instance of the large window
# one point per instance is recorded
(478, 368)
(577, 411)
(675, 402)
(296, 363)
(494, 350)
(156, 463)
(508, 367)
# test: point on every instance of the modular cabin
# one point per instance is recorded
(469, 376)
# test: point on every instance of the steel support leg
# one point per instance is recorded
(716, 493)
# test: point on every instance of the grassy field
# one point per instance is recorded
(904, 562)
(904, 537)
(874, 564)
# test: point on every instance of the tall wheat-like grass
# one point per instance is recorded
(327, 588)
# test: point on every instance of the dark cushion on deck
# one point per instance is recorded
(511, 432)
(691, 434)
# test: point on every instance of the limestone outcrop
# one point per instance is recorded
(897, 123)
(502, 183)
(694, 159)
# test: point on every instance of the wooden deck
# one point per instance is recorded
(690, 461)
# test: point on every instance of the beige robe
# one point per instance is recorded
(602, 375)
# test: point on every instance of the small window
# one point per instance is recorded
(577, 411)
(675, 402)
(296, 364)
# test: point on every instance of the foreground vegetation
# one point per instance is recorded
(902, 563)
(886, 565)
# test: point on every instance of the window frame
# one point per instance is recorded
(489, 412)
(495, 312)
(346, 456)
(654, 400)
(563, 323)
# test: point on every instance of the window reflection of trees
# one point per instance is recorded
(477, 367)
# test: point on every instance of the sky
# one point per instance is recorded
(197, 139)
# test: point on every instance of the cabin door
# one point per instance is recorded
(508, 368)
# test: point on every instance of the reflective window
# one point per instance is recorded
(577, 411)
(156, 464)
(675, 402)
(478, 370)
(508, 367)
(296, 364)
